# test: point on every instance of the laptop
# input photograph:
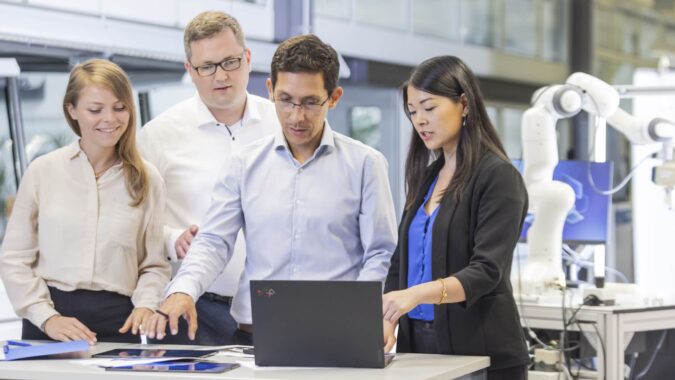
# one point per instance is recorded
(318, 324)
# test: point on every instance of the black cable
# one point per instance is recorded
(650, 362)
(563, 337)
(604, 351)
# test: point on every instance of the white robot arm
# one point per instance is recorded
(550, 200)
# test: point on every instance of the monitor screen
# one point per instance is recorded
(588, 220)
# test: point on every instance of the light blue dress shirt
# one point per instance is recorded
(419, 254)
(331, 218)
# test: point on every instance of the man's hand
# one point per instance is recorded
(397, 303)
(389, 335)
(67, 329)
(137, 321)
(183, 242)
(177, 305)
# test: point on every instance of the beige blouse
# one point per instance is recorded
(70, 231)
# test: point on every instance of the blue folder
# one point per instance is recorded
(21, 350)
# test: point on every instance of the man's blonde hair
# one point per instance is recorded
(208, 24)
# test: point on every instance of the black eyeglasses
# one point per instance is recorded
(309, 106)
(228, 64)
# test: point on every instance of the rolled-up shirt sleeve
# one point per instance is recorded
(154, 270)
(27, 292)
(377, 219)
(212, 248)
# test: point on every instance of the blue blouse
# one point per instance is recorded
(419, 254)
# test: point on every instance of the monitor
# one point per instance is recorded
(588, 220)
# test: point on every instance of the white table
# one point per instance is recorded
(404, 367)
(616, 326)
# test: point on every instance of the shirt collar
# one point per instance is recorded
(204, 116)
(74, 149)
(327, 139)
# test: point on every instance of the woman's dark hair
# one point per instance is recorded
(449, 77)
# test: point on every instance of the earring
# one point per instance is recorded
(464, 122)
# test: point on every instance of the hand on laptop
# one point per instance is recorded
(398, 303)
(389, 335)
(183, 242)
(175, 306)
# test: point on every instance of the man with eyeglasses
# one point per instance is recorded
(314, 204)
(191, 141)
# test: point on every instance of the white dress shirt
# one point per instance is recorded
(331, 218)
(69, 231)
(189, 148)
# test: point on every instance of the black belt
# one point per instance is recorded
(213, 297)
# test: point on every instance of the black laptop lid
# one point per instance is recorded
(318, 323)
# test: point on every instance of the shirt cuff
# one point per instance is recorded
(170, 237)
(39, 313)
(182, 287)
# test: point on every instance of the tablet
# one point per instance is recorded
(154, 353)
(178, 366)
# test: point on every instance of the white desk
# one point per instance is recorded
(616, 325)
(404, 367)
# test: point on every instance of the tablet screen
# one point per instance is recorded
(154, 353)
(178, 366)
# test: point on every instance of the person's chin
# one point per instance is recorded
(431, 145)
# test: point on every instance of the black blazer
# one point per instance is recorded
(473, 240)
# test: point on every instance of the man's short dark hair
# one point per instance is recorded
(307, 54)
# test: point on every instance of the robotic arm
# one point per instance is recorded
(550, 200)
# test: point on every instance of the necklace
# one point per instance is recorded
(98, 174)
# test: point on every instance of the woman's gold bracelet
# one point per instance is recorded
(444, 292)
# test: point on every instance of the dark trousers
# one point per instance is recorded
(215, 325)
(102, 312)
(423, 341)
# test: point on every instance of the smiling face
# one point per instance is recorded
(102, 118)
(302, 126)
(224, 90)
(437, 119)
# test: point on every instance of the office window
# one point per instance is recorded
(384, 13)
(652, 37)
(365, 125)
(604, 32)
(629, 34)
(256, 2)
(44, 124)
(7, 181)
(521, 27)
(482, 22)
(333, 8)
(554, 20)
(438, 18)
(511, 131)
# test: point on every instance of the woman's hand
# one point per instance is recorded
(67, 329)
(398, 303)
(137, 321)
(389, 335)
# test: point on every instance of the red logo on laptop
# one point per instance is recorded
(265, 292)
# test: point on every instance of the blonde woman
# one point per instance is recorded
(82, 256)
